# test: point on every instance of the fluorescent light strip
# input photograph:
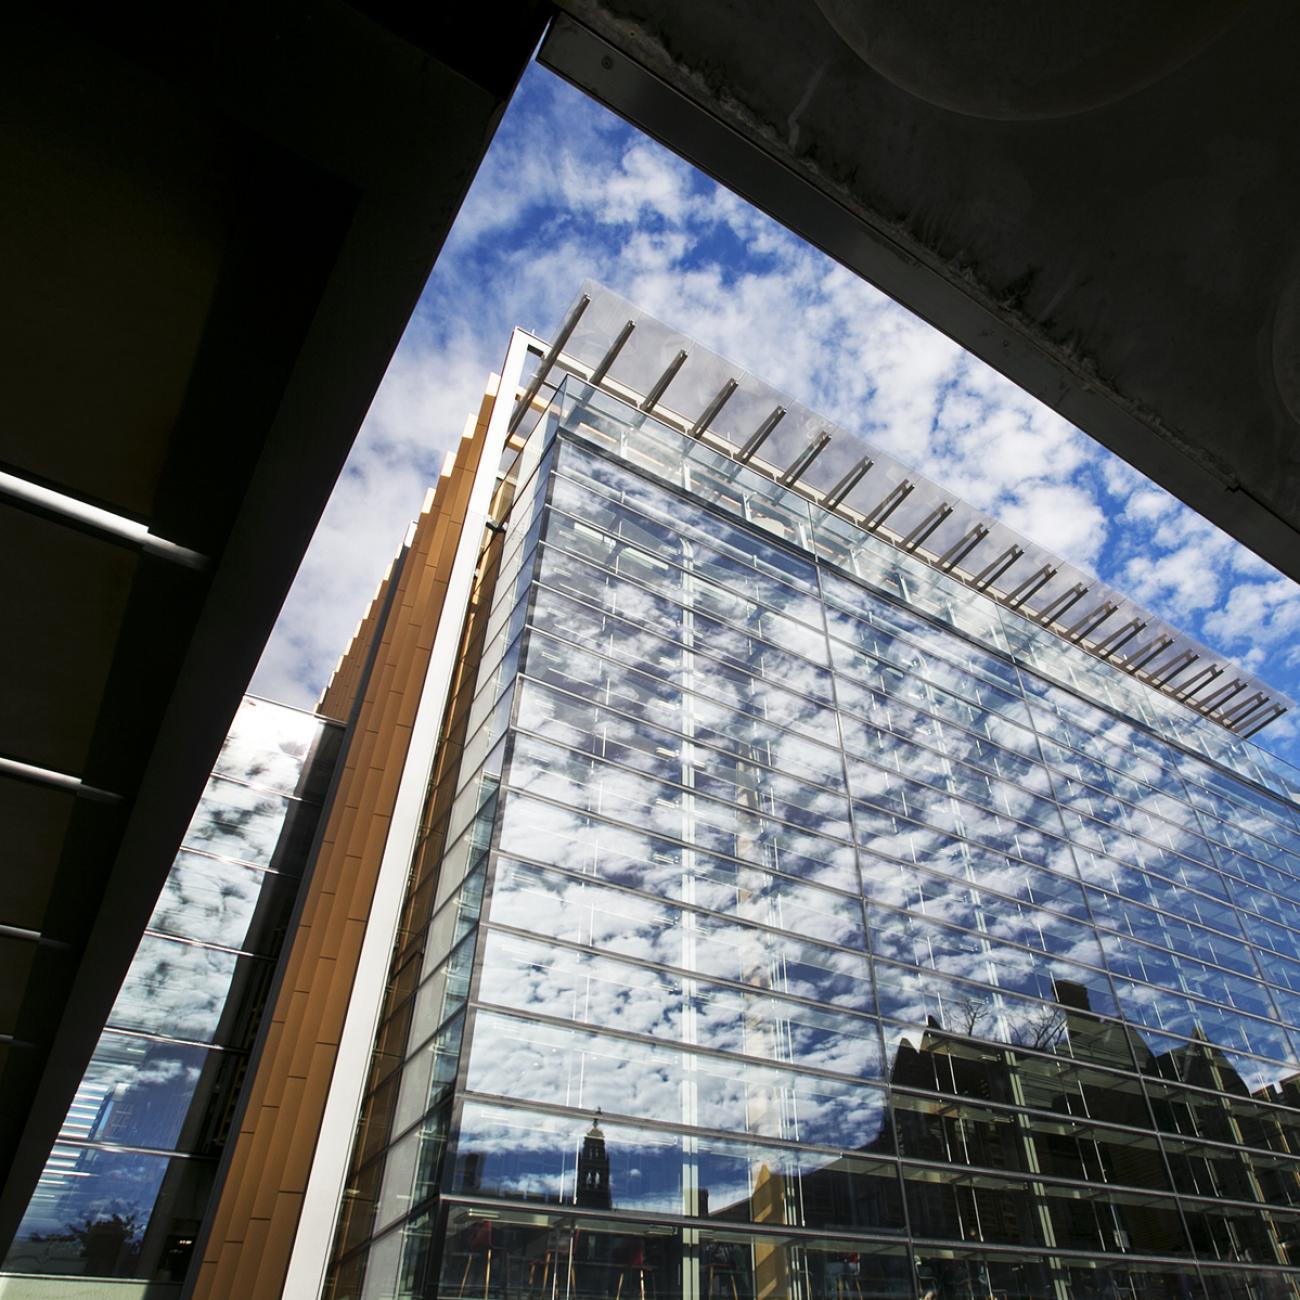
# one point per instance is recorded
(60, 780)
(104, 521)
(24, 935)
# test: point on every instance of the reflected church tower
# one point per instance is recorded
(593, 1170)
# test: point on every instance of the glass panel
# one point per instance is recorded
(689, 587)
(949, 1274)
(742, 1267)
(983, 1071)
(586, 1071)
(1221, 1117)
(549, 1253)
(956, 901)
(238, 821)
(900, 884)
(972, 955)
(1242, 1234)
(533, 1156)
(540, 1255)
(1228, 1173)
(584, 726)
(176, 989)
(581, 910)
(686, 518)
(563, 984)
(992, 1016)
(1252, 1284)
(222, 903)
(427, 1077)
(746, 650)
(269, 744)
(694, 542)
(1163, 1011)
(962, 1205)
(551, 833)
(411, 1167)
(115, 1214)
(632, 644)
(702, 717)
(1018, 1142)
(138, 1092)
(581, 783)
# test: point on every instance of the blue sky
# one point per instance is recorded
(568, 191)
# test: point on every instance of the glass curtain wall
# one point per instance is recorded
(125, 1188)
(813, 927)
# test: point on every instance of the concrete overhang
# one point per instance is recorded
(1100, 200)
(217, 221)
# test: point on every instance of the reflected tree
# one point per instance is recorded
(968, 1017)
(106, 1241)
(1042, 1029)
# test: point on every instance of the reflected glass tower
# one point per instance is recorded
(125, 1189)
(914, 917)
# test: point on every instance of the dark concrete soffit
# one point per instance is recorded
(1126, 254)
(396, 133)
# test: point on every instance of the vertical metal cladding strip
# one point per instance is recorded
(324, 1192)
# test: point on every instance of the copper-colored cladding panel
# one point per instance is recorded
(255, 1220)
(340, 694)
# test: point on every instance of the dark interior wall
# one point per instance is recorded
(218, 219)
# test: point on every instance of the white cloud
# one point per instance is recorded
(1062, 517)
(1257, 613)
(1149, 504)
(1121, 478)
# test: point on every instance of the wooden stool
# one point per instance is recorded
(478, 1241)
(848, 1276)
(634, 1258)
(559, 1245)
(728, 1273)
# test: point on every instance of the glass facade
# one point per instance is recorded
(804, 924)
(125, 1188)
